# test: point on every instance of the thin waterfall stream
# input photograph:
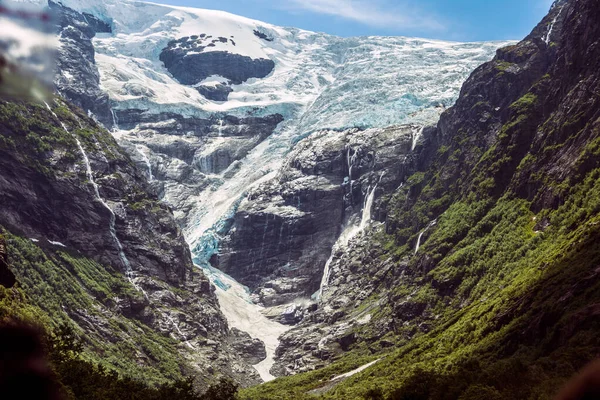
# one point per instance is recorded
(113, 218)
(418, 245)
(348, 233)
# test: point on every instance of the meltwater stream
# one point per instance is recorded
(209, 222)
(418, 245)
(243, 314)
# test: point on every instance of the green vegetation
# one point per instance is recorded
(54, 284)
(298, 386)
(502, 67)
(80, 379)
(506, 301)
(37, 139)
(524, 103)
(64, 284)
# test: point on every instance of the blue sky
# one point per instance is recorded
(464, 20)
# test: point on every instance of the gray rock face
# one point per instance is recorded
(187, 61)
(329, 327)
(78, 78)
(251, 350)
(218, 92)
(282, 234)
(177, 124)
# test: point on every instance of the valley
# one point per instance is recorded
(302, 214)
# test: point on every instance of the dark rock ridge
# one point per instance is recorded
(262, 35)
(78, 78)
(50, 201)
(251, 350)
(187, 60)
(169, 123)
(524, 124)
(219, 92)
(282, 234)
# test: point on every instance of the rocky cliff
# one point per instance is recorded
(91, 245)
(283, 232)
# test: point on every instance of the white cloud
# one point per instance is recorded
(377, 13)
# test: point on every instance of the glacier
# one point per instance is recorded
(319, 82)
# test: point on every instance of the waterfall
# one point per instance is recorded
(325, 278)
(112, 221)
(366, 214)
(172, 321)
(220, 127)
(349, 233)
(115, 120)
(140, 149)
(547, 38)
(264, 237)
(350, 161)
(415, 137)
(432, 223)
(280, 234)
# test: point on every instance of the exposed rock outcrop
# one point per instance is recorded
(282, 234)
(190, 64)
(78, 78)
(251, 350)
(219, 92)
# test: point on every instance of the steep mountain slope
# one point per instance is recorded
(91, 246)
(482, 283)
